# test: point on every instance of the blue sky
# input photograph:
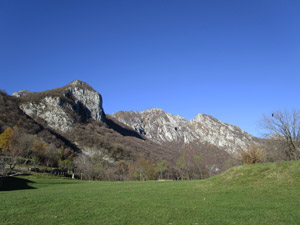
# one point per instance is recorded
(234, 60)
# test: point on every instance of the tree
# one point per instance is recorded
(38, 152)
(7, 152)
(284, 128)
(89, 167)
(122, 168)
(143, 170)
(14, 143)
(84, 167)
(162, 167)
(21, 144)
(197, 161)
(181, 165)
(51, 155)
(5, 139)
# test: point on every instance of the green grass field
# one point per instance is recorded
(259, 194)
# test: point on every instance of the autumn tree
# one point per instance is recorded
(283, 127)
(38, 152)
(9, 154)
(5, 140)
(5, 143)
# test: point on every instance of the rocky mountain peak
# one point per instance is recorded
(80, 84)
(60, 108)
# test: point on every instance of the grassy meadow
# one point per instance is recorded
(255, 194)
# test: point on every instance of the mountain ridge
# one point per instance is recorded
(162, 127)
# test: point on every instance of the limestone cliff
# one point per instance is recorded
(62, 107)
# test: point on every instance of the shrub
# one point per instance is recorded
(254, 154)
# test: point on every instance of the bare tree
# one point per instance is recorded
(91, 167)
(284, 128)
(51, 155)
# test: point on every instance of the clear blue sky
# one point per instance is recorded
(233, 59)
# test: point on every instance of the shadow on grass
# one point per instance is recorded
(14, 183)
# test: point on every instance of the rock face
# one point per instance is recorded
(88, 98)
(230, 138)
(162, 127)
(50, 110)
(61, 108)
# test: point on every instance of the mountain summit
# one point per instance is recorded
(60, 108)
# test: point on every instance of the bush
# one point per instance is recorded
(254, 154)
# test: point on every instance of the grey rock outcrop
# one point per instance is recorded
(88, 98)
(21, 93)
(50, 110)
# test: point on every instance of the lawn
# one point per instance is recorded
(259, 194)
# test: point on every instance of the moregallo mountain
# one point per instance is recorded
(71, 120)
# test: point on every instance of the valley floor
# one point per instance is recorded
(260, 194)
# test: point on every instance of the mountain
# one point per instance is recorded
(68, 124)
(165, 128)
(71, 120)
(77, 109)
